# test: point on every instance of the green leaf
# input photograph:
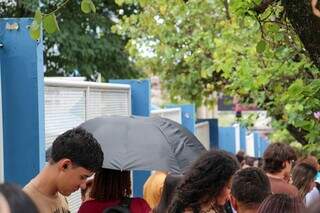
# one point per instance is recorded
(35, 27)
(143, 2)
(38, 16)
(50, 23)
(261, 46)
(35, 30)
(86, 6)
(119, 2)
(93, 8)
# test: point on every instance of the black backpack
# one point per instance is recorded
(122, 207)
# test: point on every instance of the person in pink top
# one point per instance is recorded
(108, 189)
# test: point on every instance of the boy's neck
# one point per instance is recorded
(45, 181)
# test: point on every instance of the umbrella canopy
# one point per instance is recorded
(144, 143)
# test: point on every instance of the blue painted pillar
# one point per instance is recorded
(22, 100)
(213, 131)
(1, 129)
(243, 132)
(227, 139)
(188, 115)
(141, 105)
(257, 145)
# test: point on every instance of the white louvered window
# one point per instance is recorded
(64, 109)
(69, 103)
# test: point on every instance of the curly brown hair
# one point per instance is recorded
(204, 181)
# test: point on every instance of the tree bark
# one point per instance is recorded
(306, 25)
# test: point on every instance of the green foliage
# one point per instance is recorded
(85, 44)
(49, 20)
(50, 23)
(198, 47)
(87, 6)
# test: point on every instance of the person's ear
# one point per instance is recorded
(284, 164)
(64, 164)
(233, 202)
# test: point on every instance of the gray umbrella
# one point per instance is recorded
(144, 143)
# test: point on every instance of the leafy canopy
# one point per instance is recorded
(201, 46)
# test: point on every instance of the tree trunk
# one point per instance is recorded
(306, 25)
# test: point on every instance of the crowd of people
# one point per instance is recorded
(217, 182)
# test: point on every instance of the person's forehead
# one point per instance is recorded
(83, 171)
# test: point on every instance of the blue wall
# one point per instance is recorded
(23, 102)
(141, 105)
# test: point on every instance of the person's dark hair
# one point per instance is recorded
(240, 156)
(309, 159)
(109, 184)
(204, 181)
(302, 177)
(275, 155)
(259, 162)
(80, 147)
(18, 200)
(169, 186)
(250, 186)
(249, 160)
(282, 203)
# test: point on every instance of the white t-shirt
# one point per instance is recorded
(312, 197)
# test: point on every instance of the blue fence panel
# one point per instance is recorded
(227, 139)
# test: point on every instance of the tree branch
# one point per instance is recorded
(263, 6)
(298, 134)
(226, 6)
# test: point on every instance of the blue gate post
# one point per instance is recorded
(188, 115)
(243, 132)
(227, 139)
(1, 126)
(141, 105)
(257, 145)
(22, 100)
(213, 131)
